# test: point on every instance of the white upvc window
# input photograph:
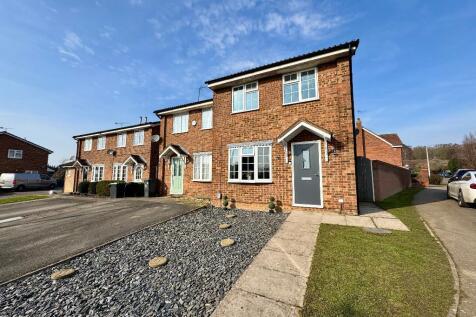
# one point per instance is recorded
(249, 164)
(119, 172)
(202, 167)
(101, 142)
(138, 172)
(207, 118)
(180, 124)
(121, 139)
(245, 97)
(88, 144)
(139, 137)
(98, 173)
(15, 154)
(300, 86)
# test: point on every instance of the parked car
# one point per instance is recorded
(464, 189)
(445, 174)
(22, 181)
(458, 174)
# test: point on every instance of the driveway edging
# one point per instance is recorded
(453, 311)
(99, 246)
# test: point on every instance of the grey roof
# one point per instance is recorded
(25, 141)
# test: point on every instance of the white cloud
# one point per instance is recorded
(72, 47)
(304, 23)
(135, 3)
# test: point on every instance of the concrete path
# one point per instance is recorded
(274, 284)
(456, 228)
(39, 233)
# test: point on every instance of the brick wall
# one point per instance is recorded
(146, 151)
(333, 112)
(34, 158)
(373, 148)
(389, 179)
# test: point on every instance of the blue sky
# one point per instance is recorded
(69, 67)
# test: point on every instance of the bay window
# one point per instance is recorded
(245, 97)
(202, 167)
(249, 163)
(300, 86)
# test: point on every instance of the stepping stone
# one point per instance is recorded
(61, 274)
(158, 261)
(379, 231)
(230, 216)
(224, 226)
(227, 242)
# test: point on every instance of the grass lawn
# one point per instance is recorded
(355, 273)
(15, 199)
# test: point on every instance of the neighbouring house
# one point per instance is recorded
(284, 130)
(18, 155)
(387, 148)
(123, 154)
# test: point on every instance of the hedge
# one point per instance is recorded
(134, 189)
(102, 188)
(435, 179)
(92, 188)
(83, 187)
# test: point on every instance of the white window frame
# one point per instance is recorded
(95, 170)
(119, 172)
(210, 110)
(255, 155)
(182, 129)
(88, 144)
(103, 145)
(135, 179)
(120, 136)
(244, 97)
(15, 154)
(196, 160)
(298, 80)
(139, 136)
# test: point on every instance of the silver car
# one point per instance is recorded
(22, 181)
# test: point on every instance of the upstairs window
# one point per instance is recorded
(300, 86)
(15, 154)
(180, 124)
(245, 97)
(88, 144)
(121, 139)
(101, 143)
(139, 137)
(250, 164)
(202, 167)
(207, 118)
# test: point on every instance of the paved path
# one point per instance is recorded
(274, 284)
(456, 228)
(49, 230)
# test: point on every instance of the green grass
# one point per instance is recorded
(19, 198)
(355, 273)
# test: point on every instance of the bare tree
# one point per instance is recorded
(469, 150)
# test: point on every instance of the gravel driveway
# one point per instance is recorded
(116, 280)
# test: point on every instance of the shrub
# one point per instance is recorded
(83, 187)
(133, 189)
(225, 201)
(102, 188)
(92, 188)
(435, 179)
(271, 204)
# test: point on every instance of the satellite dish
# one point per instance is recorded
(155, 138)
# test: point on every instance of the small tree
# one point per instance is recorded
(469, 150)
(454, 164)
(271, 204)
(225, 201)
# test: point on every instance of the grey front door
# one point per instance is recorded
(307, 178)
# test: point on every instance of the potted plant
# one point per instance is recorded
(225, 202)
(271, 204)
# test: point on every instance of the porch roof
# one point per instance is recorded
(302, 125)
(174, 149)
(134, 159)
(77, 163)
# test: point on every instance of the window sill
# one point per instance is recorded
(137, 144)
(121, 146)
(236, 112)
(179, 132)
(206, 128)
(15, 158)
(301, 101)
(100, 149)
(201, 181)
(250, 182)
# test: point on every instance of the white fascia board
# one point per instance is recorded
(167, 150)
(140, 127)
(379, 137)
(282, 67)
(304, 125)
(185, 109)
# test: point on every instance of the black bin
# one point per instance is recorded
(150, 187)
(116, 190)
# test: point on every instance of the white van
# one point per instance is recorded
(22, 181)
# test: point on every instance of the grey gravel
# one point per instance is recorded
(116, 280)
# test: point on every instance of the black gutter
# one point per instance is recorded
(182, 106)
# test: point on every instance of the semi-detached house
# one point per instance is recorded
(282, 130)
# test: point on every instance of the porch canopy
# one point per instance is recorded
(295, 129)
(78, 164)
(174, 150)
(134, 159)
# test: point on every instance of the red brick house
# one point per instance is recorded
(126, 154)
(284, 129)
(387, 148)
(20, 155)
